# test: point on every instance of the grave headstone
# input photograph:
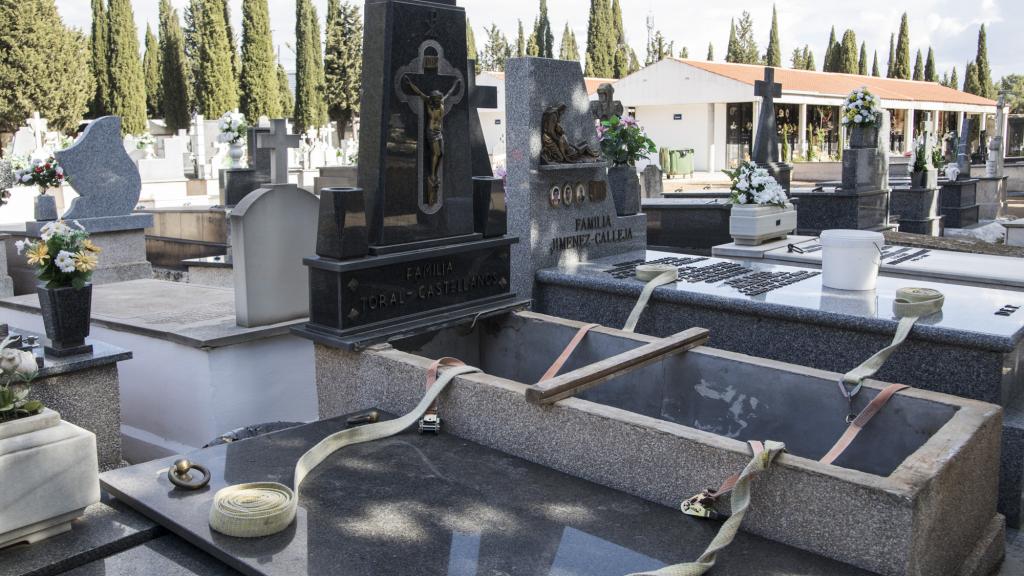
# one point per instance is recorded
(958, 199)
(565, 210)
(425, 264)
(766, 141)
(272, 229)
(992, 188)
(606, 105)
(236, 183)
(480, 98)
(24, 143)
(170, 167)
(963, 152)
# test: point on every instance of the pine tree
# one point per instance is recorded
(862, 62)
(471, 51)
(174, 70)
(151, 74)
(35, 40)
(127, 84)
(901, 65)
(830, 51)
(98, 41)
(954, 80)
(542, 31)
(919, 67)
(984, 71)
(732, 53)
(971, 83)
(773, 57)
(892, 56)
(875, 71)
(930, 73)
(570, 50)
(286, 97)
(711, 52)
(310, 108)
(600, 59)
(343, 62)
(236, 66)
(621, 48)
(496, 49)
(259, 94)
(749, 54)
(521, 41)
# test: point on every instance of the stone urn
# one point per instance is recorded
(624, 183)
(45, 208)
(236, 150)
(51, 472)
(755, 224)
(66, 315)
(862, 136)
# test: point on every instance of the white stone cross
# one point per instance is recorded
(38, 126)
(278, 141)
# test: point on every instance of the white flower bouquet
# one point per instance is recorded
(146, 139)
(233, 128)
(860, 108)
(64, 256)
(754, 185)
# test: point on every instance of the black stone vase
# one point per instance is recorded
(45, 208)
(625, 186)
(864, 136)
(66, 315)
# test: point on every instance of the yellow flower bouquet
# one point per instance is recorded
(63, 256)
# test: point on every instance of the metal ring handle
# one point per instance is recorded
(179, 475)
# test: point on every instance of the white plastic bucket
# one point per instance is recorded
(850, 259)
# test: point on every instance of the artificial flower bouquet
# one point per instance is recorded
(233, 128)
(752, 184)
(860, 108)
(63, 256)
(45, 173)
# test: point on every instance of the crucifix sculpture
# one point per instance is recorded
(434, 110)
(278, 141)
(766, 145)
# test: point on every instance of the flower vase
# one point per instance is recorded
(235, 152)
(149, 152)
(624, 184)
(66, 315)
(755, 224)
(45, 209)
(862, 136)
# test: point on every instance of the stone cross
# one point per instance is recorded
(606, 105)
(963, 153)
(994, 165)
(278, 141)
(38, 126)
(766, 145)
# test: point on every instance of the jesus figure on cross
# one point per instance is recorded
(433, 106)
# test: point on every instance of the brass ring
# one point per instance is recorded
(179, 475)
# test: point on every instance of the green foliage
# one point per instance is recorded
(286, 97)
(175, 73)
(17, 370)
(634, 62)
(151, 73)
(829, 51)
(773, 57)
(711, 52)
(127, 84)
(919, 67)
(901, 65)
(986, 88)
(621, 48)
(63, 257)
(845, 57)
(747, 51)
(343, 62)
(471, 50)
(659, 49)
(521, 42)
(954, 80)
(44, 67)
(930, 73)
(236, 66)
(542, 33)
(216, 88)
(623, 141)
(570, 49)
(497, 50)
(1014, 86)
(892, 56)
(971, 84)
(862, 61)
(732, 51)
(875, 71)
(259, 94)
(310, 107)
(600, 58)
(98, 43)
(809, 63)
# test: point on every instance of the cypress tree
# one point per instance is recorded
(634, 62)
(216, 88)
(984, 71)
(127, 84)
(954, 80)
(875, 71)
(521, 41)
(532, 45)
(174, 69)
(310, 108)
(286, 97)
(830, 51)
(862, 62)
(901, 65)
(600, 60)
(151, 73)
(659, 49)
(711, 52)
(621, 48)
(945, 79)
(542, 32)
(98, 42)
(34, 41)
(773, 57)
(236, 66)
(971, 83)
(919, 66)
(257, 82)
(343, 63)
(732, 54)
(892, 56)
(846, 55)
(190, 35)
(930, 73)
(570, 50)
(471, 51)
(809, 63)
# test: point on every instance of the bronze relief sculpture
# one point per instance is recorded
(555, 145)
(434, 108)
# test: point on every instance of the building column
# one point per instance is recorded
(802, 137)
(908, 129)
(936, 124)
(721, 137)
(756, 117)
(959, 122)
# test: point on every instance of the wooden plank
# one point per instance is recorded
(572, 383)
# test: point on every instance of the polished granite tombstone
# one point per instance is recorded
(687, 224)
(958, 202)
(425, 261)
(439, 505)
(237, 183)
(917, 210)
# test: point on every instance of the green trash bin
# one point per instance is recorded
(680, 163)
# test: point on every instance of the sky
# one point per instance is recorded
(950, 26)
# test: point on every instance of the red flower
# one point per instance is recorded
(47, 166)
(39, 170)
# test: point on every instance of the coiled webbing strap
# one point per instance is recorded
(264, 508)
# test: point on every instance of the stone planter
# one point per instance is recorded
(50, 473)
(625, 186)
(235, 152)
(45, 208)
(752, 225)
(925, 179)
(864, 136)
(66, 314)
